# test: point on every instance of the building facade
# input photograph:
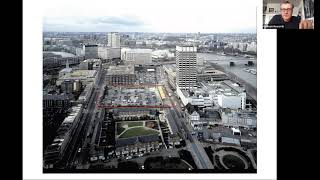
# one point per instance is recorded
(109, 52)
(172, 76)
(114, 39)
(67, 86)
(137, 56)
(56, 101)
(137, 145)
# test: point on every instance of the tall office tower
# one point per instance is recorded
(186, 60)
(113, 40)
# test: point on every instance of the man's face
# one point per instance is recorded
(286, 12)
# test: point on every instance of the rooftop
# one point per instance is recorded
(138, 50)
(230, 140)
(83, 73)
(233, 86)
(92, 60)
(55, 97)
(241, 118)
(121, 69)
(186, 48)
(212, 71)
(226, 87)
(64, 128)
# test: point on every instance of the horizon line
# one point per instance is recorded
(150, 32)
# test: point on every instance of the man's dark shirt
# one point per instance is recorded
(278, 21)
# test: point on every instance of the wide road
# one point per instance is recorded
(175, 117)
(82, 157)
(84, 125)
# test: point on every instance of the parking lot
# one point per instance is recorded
(225, 131)
(132, 96)
(146, 77)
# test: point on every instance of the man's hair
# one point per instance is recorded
(287, 2)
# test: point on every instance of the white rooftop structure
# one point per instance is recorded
(236, 131)
(186, 48)
(230, 140)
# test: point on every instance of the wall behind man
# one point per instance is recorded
(303, 13)
(275, 4)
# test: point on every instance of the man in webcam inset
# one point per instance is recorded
(287, 21)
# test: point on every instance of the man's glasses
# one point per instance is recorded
(284, 10)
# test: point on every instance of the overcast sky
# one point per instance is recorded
(206, 16)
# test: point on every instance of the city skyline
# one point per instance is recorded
(127, 16)
(118, 107)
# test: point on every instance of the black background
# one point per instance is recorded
(297, 89)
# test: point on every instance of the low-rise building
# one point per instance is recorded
(137, 145)
(85, 76)
(241, 118)
(56, 150)
(67, 86)
(109, 53)
(133, 114)
(196, 97)
(86, 93)
(91, 51)
(56, 101)
(200, 118)
(248, 143)
(174, 140)
(230, 141)
(210, 74)
(172, 74)
(121, 75)
(136, 56)
(232, 101)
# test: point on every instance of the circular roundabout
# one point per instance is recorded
(229, 158)
(231, 161)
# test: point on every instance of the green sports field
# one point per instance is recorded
(138, 131)
(122, 126)
(137, 123)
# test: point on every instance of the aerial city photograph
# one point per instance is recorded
(157, 88)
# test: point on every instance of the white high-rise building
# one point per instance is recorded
(136, 56)
(186, 60)
(113, 40)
